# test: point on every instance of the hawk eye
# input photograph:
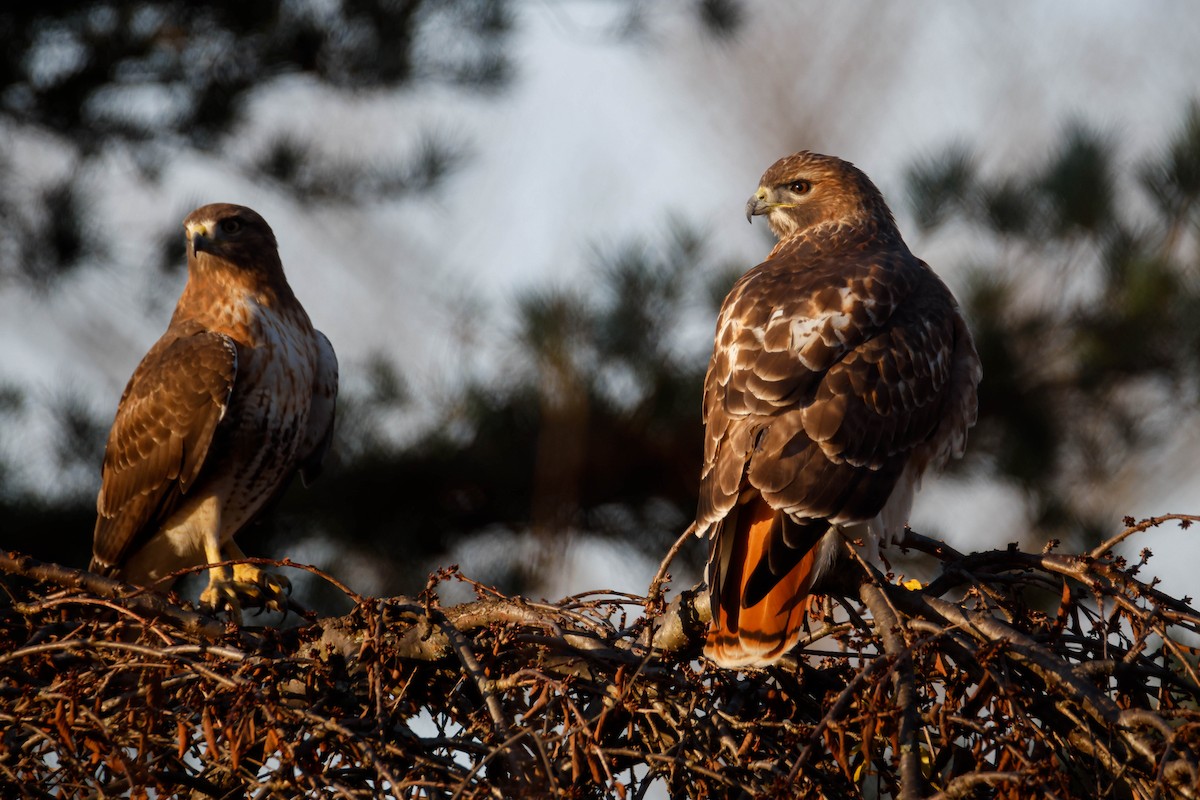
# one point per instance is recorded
(231, 225)
(799, 187)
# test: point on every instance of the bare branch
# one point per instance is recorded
(1020, 674)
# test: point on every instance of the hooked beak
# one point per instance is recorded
(757, 205)
(200, 240)
(202, 244)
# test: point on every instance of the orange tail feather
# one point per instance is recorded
(758, 635)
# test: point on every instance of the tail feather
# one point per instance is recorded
(101, 567)
(753, 625)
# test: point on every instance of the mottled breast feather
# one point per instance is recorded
(321, 416)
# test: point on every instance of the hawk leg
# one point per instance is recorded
(246, 586)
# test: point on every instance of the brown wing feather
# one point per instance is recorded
(161, 437)
(793, 362)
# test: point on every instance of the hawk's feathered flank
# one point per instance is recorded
(236, 396)
(841, 371)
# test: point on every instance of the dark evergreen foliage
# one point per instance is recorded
(1085, 318)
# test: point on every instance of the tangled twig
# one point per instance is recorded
(1010, 675)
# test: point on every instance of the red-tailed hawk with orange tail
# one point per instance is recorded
(235, 397)
(842, 370)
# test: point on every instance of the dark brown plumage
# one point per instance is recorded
(841, 371)
(232, 400)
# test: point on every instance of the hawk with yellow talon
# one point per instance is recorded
(235, 398)
(842, 371)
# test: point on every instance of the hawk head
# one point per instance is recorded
(806, 191)
(226, 237)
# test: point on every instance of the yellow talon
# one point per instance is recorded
(248, 586)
